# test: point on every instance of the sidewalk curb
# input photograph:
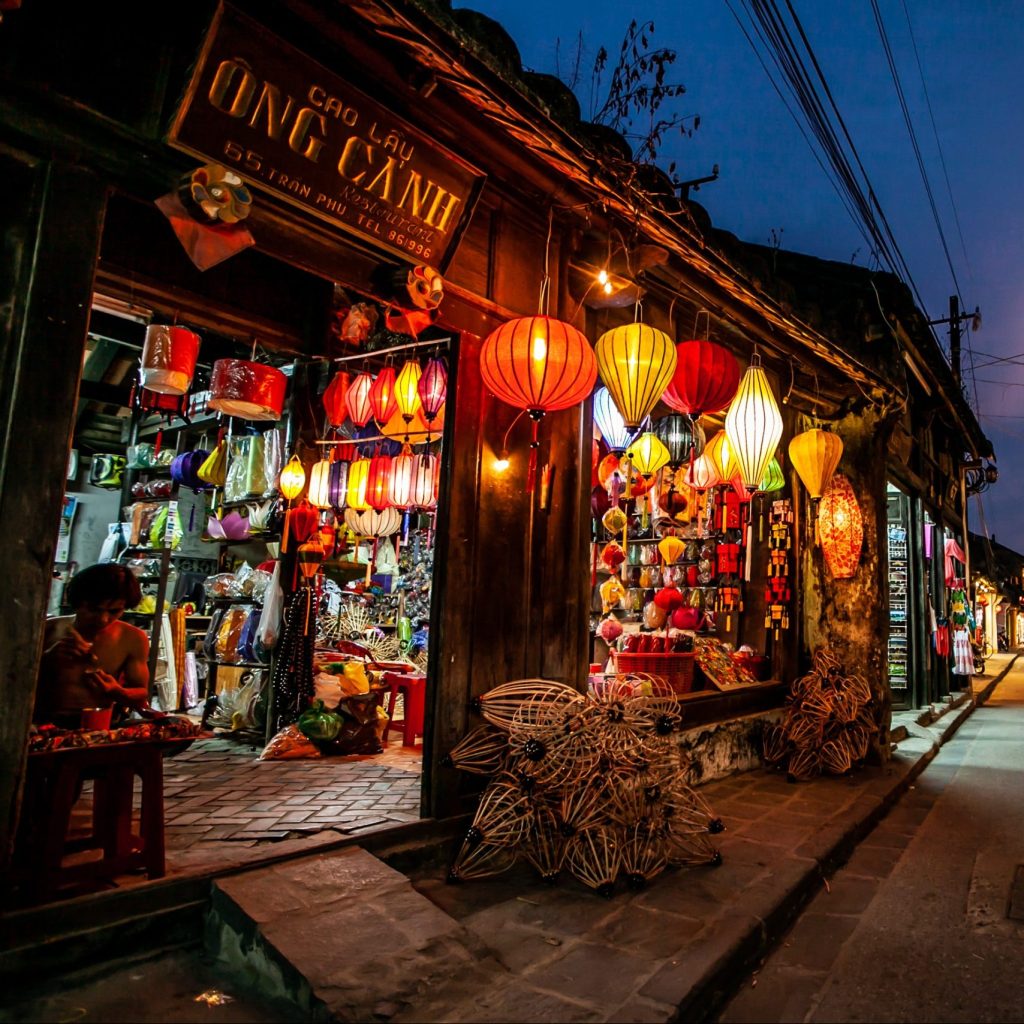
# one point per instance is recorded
(738, 951)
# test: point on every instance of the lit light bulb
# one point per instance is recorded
(501, 464)
(608, 288)
(540, 348)
(602, 277)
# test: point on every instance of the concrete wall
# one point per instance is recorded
(725, 748)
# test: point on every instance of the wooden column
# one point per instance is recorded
(51, 215)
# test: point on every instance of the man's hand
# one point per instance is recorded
(73, 648)
(105, 684)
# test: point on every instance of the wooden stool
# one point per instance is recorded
(413, 689)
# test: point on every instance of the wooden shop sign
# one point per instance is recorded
(286, 123)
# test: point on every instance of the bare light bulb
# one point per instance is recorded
(501, 464)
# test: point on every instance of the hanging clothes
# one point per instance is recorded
(954, 553)
(963, 655)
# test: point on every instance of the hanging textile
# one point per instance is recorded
(963, 655)
(953, 551)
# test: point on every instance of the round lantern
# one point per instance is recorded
(334, 399)
(337, 486)
(636, 363)
(320, 484)
(303, 521)
(433, 388)
(681, 435)
(251, 391)
(292, 479)
(383, 400)
(773, 479)
(841, 528)
(357, 400)
(648, 454)
(407, 394)
(378, 523)
(423, 489)
(539, 364)
(705, 379)
(753, 425)
(703, 475)
(169, 357)
(610, 422)
(815, 455)
(355, 488)
(400, 490)
(378, 481)
(719, 453)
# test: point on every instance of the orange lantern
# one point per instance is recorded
(357, 400)
(815, 455)
(538, 364)
(841, 528)
(719, 452)
(383, 399)
(378, 482)
(334, 399)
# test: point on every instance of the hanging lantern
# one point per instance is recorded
(671, 549)
(383, 399)
(773, 479)
(636, 363)
(539, 364)
(740, 489)
(407, 393)
(355, 489)
(357, 400)
(753, 425)
(610, 422)
(424, 469)
(328, 538)
(648, 454)
(248, 390)
(400, 492)
(292, 479)
(320, 484)
(841, 528)
(703, 475)
(337, 486)
(433, 387)
(378, 523)
(681, 435)
(378, 481)
(815, 455)
(705, 380)
(334, 399)
(169, 357)
(719, 453)
(310, 556)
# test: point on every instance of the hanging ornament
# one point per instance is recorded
(539, 364)
(378, 481)
(612, 555)
(719, 453)
(636, 363)
(671, 549)
(424, 494)
(357, 399)
(407, 395)
(612, 593)
(310, 556)
(378, 522)
(815, 455)
(402, 469)
(292, 479)
(383, 399)
(320, 484)
(251, 391)
(169, 357)
(753, 425)
(648, 454)
(614, 520)
(703, 475)
(334, 399)
(705, 378)
(610, 422)
(773, 479)
(778, 592)
(355, 488)
(682, 436)
(433, 387)
(337, 486)
(841, 527)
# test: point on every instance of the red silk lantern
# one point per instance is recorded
(539, 364)
(328, 538)
(251, 391)
(383, 399)
(334, 399)
(378, 482)
(705, 380)
(169, 357)
(304, 521)
(841, 528)
(357, 400)
(433, 388)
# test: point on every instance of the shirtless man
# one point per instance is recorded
(92, 659)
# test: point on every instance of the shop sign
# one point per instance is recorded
(289, 125)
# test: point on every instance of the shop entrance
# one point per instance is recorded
(902, 645)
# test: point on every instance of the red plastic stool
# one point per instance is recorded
(413, 689)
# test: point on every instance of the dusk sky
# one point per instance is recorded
(770, 180)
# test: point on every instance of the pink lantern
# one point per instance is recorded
(433, 388)
(402, 469)
(169, 357)
(702, 475)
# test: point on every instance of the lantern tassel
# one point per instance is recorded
(531, 472)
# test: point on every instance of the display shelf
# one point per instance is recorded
(226, 542)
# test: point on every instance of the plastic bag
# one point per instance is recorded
(230, 633)
(288, 744)
(327, 688)
(273, 460)
(237, 463)
(269, 629)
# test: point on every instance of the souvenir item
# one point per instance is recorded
(612, 592)
(654, 615)
(612, 555)
(251, 391)
(185, 469)
(668, 598)
(169, 357)
(614, 520)
(610, 629)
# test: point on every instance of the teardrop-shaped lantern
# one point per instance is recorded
(705, 379)
(647, 454)
(310, 556)
(636, 363)
(671, 549)
(719, 452)
(407, 393)
(423, 494)
(433, 387)
(539, 364)
(355, 493)
(703, 475)
(378, 481)
(841, 527)
(292, 479)
(334, 399)
(337, 487)
(773, 478)
(610, 422)
(320, 484)
(402, 467)
(753, 425)
(357, 400)
(815, 455)
(383, 399)
(681, 435)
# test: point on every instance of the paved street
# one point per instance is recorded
(917, 926)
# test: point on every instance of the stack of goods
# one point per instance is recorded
(593, 784)
(829, 724)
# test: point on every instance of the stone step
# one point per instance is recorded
(341, 936)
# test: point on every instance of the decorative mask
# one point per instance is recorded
(219, 193)
(425, 288)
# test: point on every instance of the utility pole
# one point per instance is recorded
(954, 337)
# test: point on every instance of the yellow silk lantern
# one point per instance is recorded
(407, 390)
(648, 454)
(815, 455)
(636, 363)
(614, 520)
(292, 479)
(719, 453)
(612, 592)
(671, 549)
(753, 426)
(841, 527)
(355, 490)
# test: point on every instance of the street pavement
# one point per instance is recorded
(926, 920)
